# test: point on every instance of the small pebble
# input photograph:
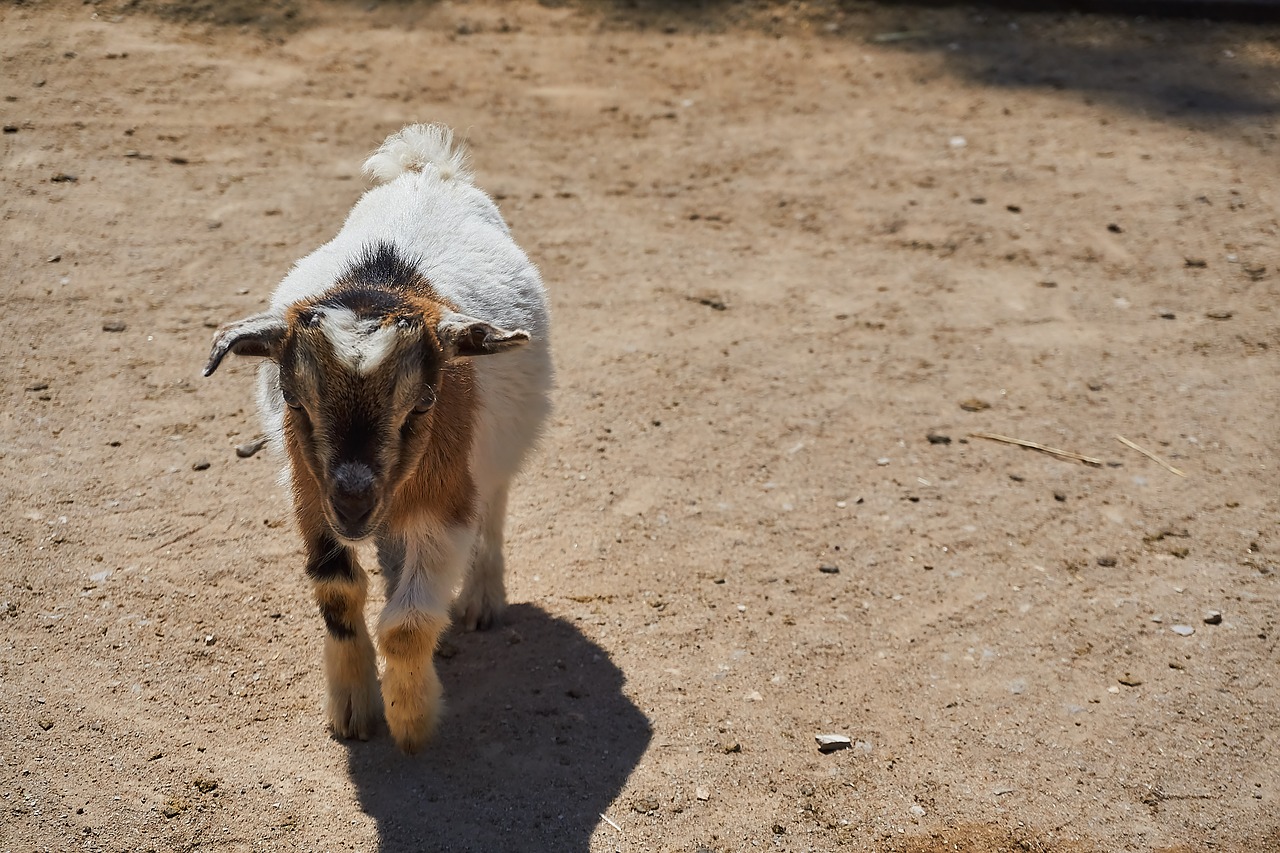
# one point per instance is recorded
(1129, 680)
(883, 460)
(114, 326)
(832, 743)
(63, 178)
(209, 639)
(1106, 562)
(731, 747)
(973, 404)
(938, 438)
(1183, 630)
(1219, 315)
(202, 465)
(645, 805)
(249, 448)
(831, 570)
(38, 386)
(702, 794)
(1060, 497)
(1213, 617)
(1196, 263)
(1114, 228)
(917, 810)
(46, 724)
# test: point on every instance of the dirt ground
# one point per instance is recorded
(786, 244)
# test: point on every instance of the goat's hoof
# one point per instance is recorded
(479, 612)
(353, 714)
(412, 714)
(411, 733)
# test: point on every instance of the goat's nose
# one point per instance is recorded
(353, 509)
(353, 493)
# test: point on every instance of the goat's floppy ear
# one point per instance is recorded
(463, 336)
(259, 335)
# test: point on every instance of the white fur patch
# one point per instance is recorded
(361, 345)
(415, 148)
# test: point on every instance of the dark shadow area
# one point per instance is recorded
(1213, 10)
(537, 740)
(1180, 59)
(1164, 68)
(1160, 59)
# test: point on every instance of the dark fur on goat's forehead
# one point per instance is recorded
(371, 303)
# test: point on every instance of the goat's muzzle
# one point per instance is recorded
(354, 498)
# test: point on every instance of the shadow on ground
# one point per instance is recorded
(538, 739)
(1147, 57)
(1180, 69)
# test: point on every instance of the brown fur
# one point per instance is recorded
(442, 482)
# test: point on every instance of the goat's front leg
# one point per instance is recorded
(417, 613)
(349, 662)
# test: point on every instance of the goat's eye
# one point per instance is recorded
(425, 402)
(291, 399)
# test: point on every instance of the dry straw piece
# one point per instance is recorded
(1052, 451)
(1147, 453)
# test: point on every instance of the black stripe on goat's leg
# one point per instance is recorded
(330, 560)
(341, 587)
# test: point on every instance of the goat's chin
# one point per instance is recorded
(353, 536)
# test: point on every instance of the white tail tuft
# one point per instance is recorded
(414, 149)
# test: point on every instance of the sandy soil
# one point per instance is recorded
(785, 245)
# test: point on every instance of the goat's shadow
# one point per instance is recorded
(537, 740)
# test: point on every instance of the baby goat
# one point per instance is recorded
(407, 378)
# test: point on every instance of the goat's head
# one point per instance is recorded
(361, 370)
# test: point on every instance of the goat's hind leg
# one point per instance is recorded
(484, 594)
(350, 665)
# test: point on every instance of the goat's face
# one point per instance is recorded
(360, 374)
